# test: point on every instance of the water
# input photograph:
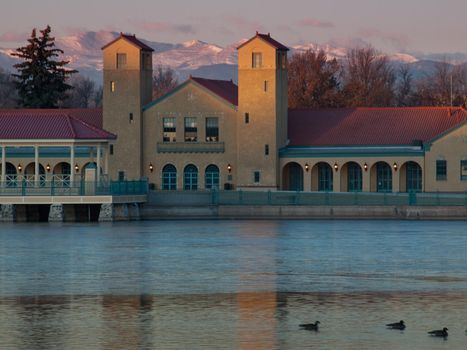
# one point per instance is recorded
(233, 285)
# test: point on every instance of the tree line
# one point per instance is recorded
(365, 78)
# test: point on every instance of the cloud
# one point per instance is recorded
(14, 36)
(399, 41)
(164, 27)
(315, 23)
(243, 23)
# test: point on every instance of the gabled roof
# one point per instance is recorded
(371, 126)
(267, 38)
(132, 39)
(52, 124)
(225, 89)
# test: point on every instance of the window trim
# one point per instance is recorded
(441, 176)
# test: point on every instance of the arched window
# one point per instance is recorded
(324, 177)
(383, 177)
(190, 178)
(169, 178)
(354, 177)
(212, 177)
(414, 177)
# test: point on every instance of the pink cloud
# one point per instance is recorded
(164, 27)
(14, 36)
(315, 23)
(243, 23)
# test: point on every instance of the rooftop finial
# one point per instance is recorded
(269, 34)
(257, 33)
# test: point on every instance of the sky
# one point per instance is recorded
(429, 26)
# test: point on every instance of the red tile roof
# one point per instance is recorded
(267, 38)
(52, 124)
(132, 39)
(225, 89)
(370, 126)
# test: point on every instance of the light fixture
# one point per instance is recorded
(307, 167)
(151, 167)
(20, 168)
(229, 168)
(336, 167)
(395, 166)
(47, 167)
(76, 167)
(365, 166)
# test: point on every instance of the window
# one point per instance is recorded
(121, 60)
(212, 177)
(247, 118)
(191, 129)
(324, 177)
(257, 60)
(131, 118)
(414, 177)
(354, 177)
(441, 170)
(212, 129)
(265, 85)
(170, 131)
(464, 170)
(283, 60)
(169, 178)
(121, 176)
(256, 176)
(111, 150)
(147, 64)
(190, 178)
(112, 86)
(383, 177)
(266, 150)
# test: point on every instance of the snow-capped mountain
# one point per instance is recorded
(195, 57)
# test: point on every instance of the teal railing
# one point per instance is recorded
(77, 188)
(202, 198)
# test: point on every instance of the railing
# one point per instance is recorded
(24, 187)
(201, 198)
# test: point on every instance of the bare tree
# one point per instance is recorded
(446, 86)
(81, 95)
(368, 79)
(98, 96)
(8, 93)
(313, 81)
(404, 88)
(163, 81)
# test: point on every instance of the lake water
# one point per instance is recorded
(233, 285)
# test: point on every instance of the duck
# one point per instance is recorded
(439, 333)
(397, 325)
(310, 326)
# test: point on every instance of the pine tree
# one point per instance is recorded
(41, 79)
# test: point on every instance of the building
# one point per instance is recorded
(211, 134)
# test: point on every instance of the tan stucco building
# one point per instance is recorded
(211, 134)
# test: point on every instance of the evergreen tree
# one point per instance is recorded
(41, 79)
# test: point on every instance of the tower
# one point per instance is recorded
(262, 111)
(127, 88)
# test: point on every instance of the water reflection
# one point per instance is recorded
(231, 321)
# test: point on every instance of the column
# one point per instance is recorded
(3, 165)
(106, 160)
(72, 164)
(98, 163)
(36, 166)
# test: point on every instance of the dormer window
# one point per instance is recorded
(257, 60)
(121, 60)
